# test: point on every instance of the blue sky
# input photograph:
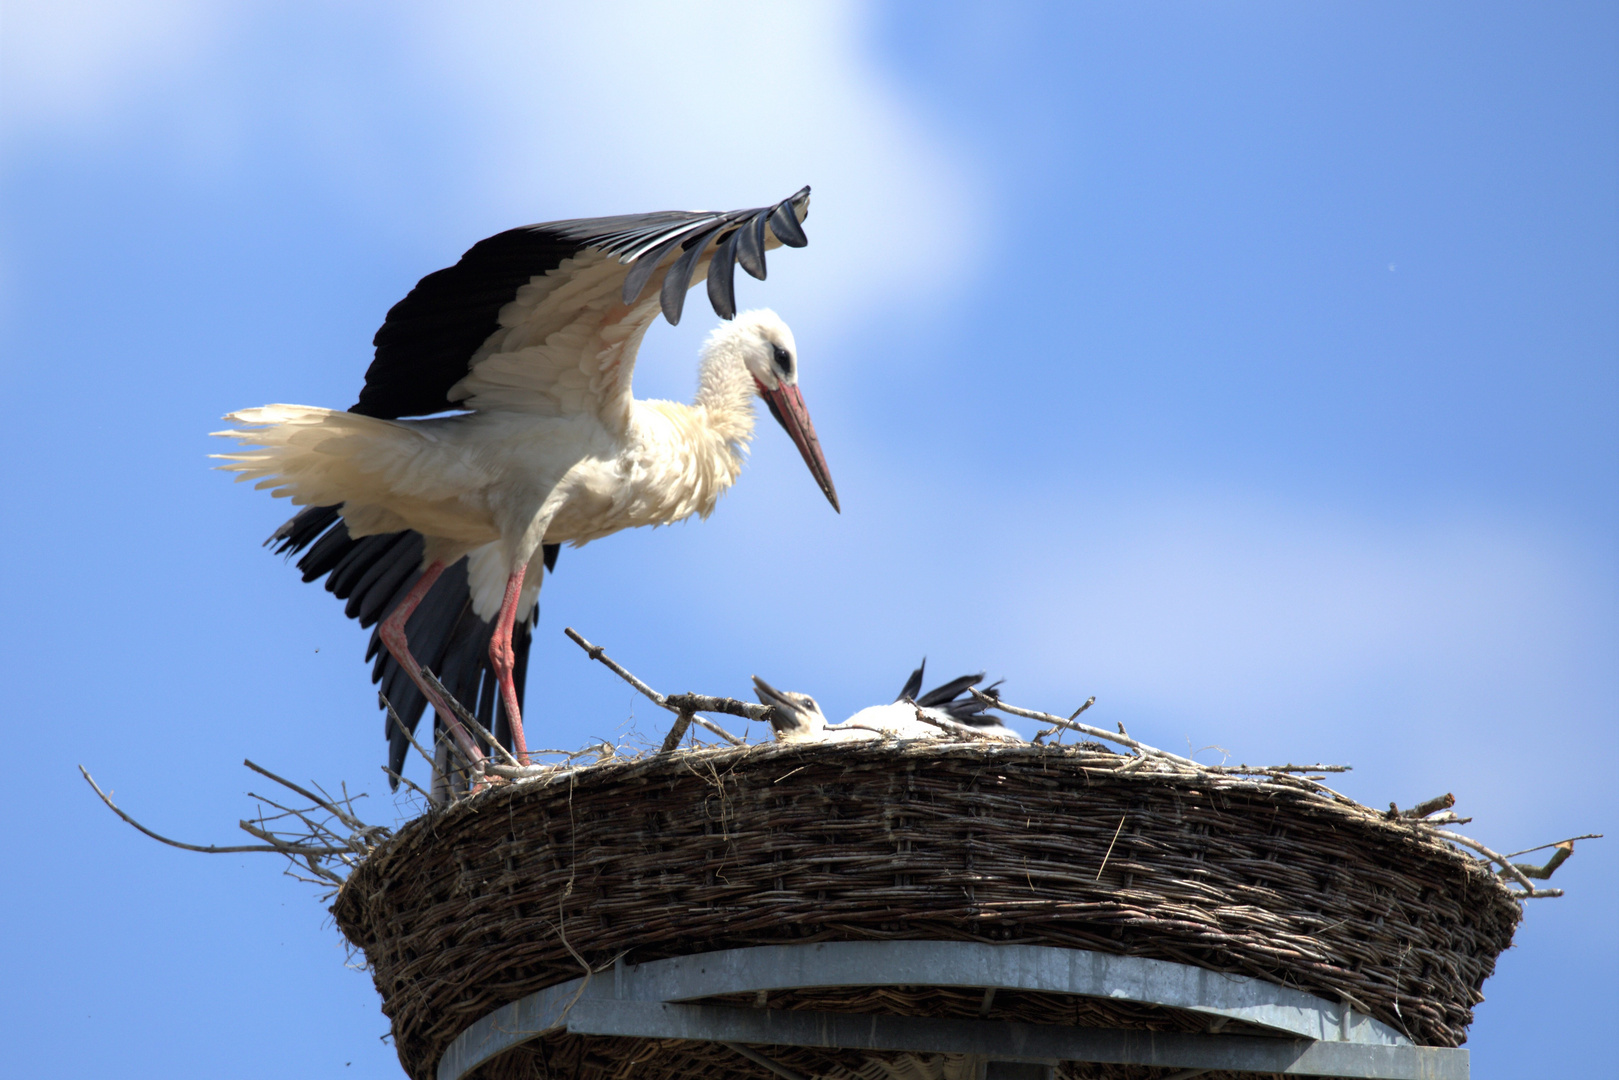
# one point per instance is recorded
(1249, 366)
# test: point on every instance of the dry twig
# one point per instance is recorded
(323, 846)
(1544, 871)
(339, 813)
(207, 849)
(956, 727)
(469, 720)
(1040, 735)
(679, 704)
(676, 732)
(1508, 869)
(1431, 806)
(1554, 843)
(1119, 738)
(400, 778)
(393, 717)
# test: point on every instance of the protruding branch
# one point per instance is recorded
(401, 778)
(679, 704)
(357, 842)
(704, 722)
(730, 706)
(555, 770)
(331, 832)
(287, 847)
(209, 849)
(1541, 873)
(393, 717)
(596, 652)
(676, 732)
(956, 727)
(1085, 729)
(1555, 843)
(1507, 868)
(1040, 735)
(336, 811)
(1431, 806)
(1256, 770)
(467, 718)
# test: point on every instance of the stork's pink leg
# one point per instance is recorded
(504, 659)
(392, 633)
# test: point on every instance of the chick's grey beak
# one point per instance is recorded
(767, 694)
(784, 714)
(787, 406)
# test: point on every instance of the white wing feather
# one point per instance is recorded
(566, 345)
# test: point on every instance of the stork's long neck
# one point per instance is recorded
(725, 392)
(697, 450)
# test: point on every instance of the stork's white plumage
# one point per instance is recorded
(552, 446)
(913, 715)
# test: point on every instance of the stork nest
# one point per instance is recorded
(1257, 873)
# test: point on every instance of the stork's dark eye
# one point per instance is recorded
(784, 359)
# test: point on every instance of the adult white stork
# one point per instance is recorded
(798, 717)
(439, 526)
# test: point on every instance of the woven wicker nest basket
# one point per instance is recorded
(498, 896)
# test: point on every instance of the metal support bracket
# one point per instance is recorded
(1315, 1037)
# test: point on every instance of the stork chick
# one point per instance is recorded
(798, 717)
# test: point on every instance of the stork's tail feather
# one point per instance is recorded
(283, 448)
(378, 470)
(373, 573)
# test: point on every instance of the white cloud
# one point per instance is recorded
(1446, 652)
(600, 108)
(1210, 599)
(448, 122)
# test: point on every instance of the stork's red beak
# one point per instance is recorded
(787, 406)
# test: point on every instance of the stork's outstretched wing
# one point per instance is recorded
(477, 333)
(435, 337)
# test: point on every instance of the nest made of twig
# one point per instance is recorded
(525, 886)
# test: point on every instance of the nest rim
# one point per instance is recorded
(480, 868)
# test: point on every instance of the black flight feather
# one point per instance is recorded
(679, 278)
(373, 574)
(376, 586)
(642, 270)
(428, 339)
(722, 276)
(750, 249)
(784, 223)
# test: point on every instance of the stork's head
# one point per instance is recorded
(770, 355)
(797, 716)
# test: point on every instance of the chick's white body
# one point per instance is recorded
(799, 719)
